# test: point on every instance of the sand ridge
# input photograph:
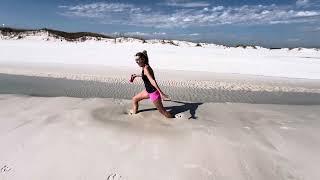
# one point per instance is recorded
(184, 79)
(53, 87)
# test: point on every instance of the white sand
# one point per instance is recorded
(208, 67)
(74, 138)
(295, 63)
(184, 79)
(93, 138)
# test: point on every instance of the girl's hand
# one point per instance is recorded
(165, 97)
(132, 77)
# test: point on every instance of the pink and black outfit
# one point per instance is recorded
(154, 94)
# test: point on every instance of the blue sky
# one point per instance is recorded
(281, 23)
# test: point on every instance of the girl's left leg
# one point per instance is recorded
(135, 100)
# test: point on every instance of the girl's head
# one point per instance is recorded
(142, 58)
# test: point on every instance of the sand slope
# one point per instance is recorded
(294, 63)
(78, 138)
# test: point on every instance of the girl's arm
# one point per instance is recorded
(136, 75)
(133, 76)
(154, 82)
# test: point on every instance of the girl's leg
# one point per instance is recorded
(135, 100)
(162, 110)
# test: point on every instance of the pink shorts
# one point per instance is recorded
(154, 96)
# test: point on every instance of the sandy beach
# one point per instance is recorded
(94, 138)
(70, 120)
(64, 128)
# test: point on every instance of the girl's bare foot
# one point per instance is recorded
(131, 112)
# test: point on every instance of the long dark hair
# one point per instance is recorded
(143, 55)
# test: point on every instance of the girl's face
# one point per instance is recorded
(139, 61)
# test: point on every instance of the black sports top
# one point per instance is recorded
(147, 84)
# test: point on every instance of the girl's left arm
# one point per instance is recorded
(154, 82)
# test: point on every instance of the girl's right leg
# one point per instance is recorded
(162, 110)
(135, 100)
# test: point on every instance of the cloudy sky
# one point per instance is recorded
(272, 23)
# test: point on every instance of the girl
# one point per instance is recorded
(152, 91)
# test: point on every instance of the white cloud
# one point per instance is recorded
(137, 34)
(159, 33)
(188, 5)
(141, 34)
(308, 3)
(313, 29)
(293, 39)
(101, 9)
(217, 8)
(194, 34)
(129, 14)
(62, 6)
(302, 2)
(310, 28)
(307, 13)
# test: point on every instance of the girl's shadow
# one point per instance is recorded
(191, 107)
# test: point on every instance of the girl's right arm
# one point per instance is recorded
(133, 76)
(136, 75)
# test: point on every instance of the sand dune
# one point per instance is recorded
(303, 63)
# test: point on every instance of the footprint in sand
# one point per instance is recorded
(180, 116)
(114, 176)
(129, 112)
(118, 101)
(5, 169)
(131, 115)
